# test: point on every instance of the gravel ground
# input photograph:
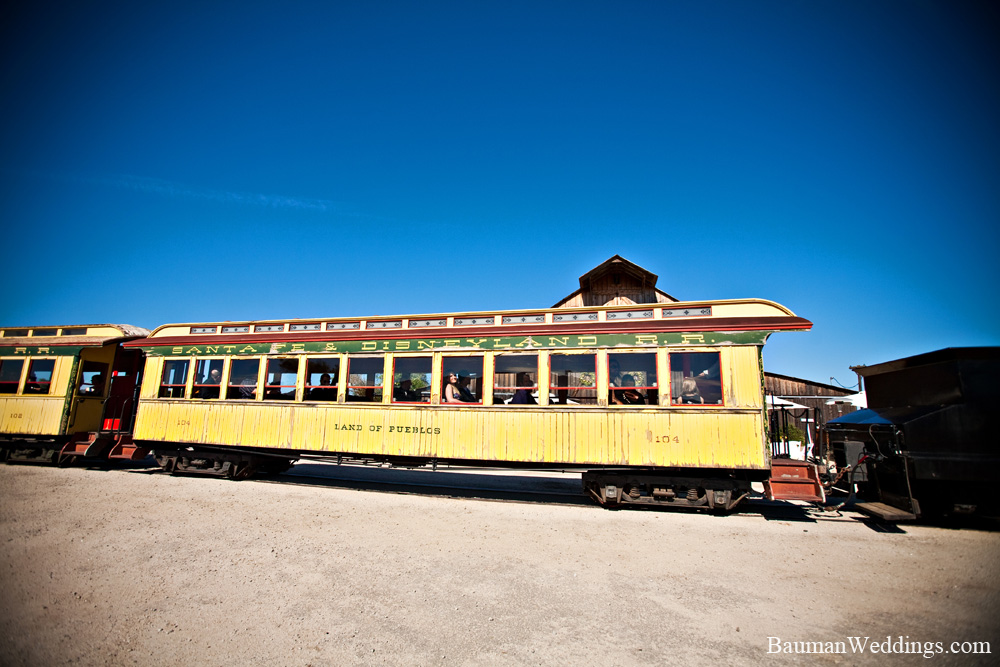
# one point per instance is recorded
(129, 566)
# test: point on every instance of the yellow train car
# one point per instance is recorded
(66, 390)
(661, 403)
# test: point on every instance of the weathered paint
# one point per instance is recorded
(585, 436)
(32, 415)
(38, 414)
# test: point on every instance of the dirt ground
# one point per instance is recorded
(129, 566)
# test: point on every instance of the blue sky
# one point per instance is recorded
(174, 162)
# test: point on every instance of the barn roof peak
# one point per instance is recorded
(613, 282)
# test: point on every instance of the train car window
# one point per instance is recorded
(364, 379)
(411, 380)
(11, 333)
(77, 331)
(632, 379)
(174, 378)
(10, 375)
(695, 378)
(573, 379)
(280, 380)
(321, 379)
(39, 376)
(207, 378)
(93, 379)
(243, 379)
(468, 380)
(44, 332)
(515, 379)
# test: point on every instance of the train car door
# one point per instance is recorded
(119, 407)
(90, 389)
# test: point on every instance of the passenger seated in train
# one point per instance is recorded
(627, 396)
(464, 393)
(326, 390)
(275, 391)
(248, 387)
(93, 388)
(32, 386)
(690, 392)
(213, 379)
(452, 393)
(403, 393)
(523, 396)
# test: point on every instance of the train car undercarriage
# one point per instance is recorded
(719, 491)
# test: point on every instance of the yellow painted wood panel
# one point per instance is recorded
(708, 437)
(34, 415)
(61, 380)
(743, 389)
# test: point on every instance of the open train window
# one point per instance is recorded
(515, 379)
(10, 375)
(39, 376)
(174, 378)
(695, 378)
(468, 374)
(321, 379)
(207, 378)
(411, 380)
(243, 379)
(573, 379)
(364, 379)
(280, 380)
(93, 379)
(632, 379)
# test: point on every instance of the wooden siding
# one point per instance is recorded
(38, 414)
(700, 437)
(32, 415)
(782, 385)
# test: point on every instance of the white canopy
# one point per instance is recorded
(859, 400)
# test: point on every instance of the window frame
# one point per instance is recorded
(482, 376)
(20, 376)
(48, 383)
(644, 389)
(554, 389)
(430, 385)
(534, 390)
(227, 376)
(105, 372)
(163, 370)
(670, 369)
(195, 385)
(270, 387)
(335, 386)
(378, 390)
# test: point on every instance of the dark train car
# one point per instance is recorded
(926, 434)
